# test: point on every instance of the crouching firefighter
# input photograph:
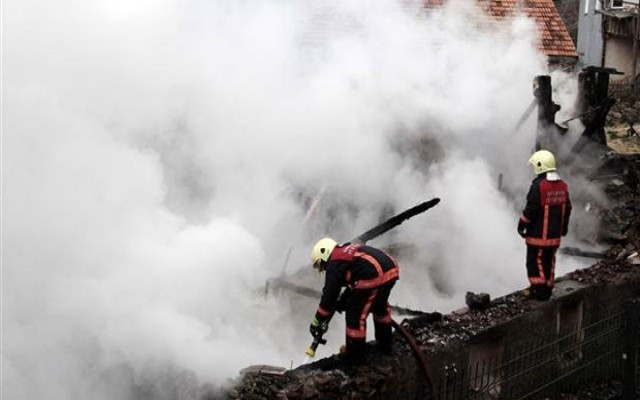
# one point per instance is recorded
(368, 274)
(544, 220)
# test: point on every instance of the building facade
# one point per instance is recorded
(608, 36)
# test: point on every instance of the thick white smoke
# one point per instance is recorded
(159, 155)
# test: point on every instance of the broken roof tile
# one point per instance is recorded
(553, 40)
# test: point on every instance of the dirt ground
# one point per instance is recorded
(623, 127)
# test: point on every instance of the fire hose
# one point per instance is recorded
(419, 356)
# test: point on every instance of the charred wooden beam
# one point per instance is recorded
(396, 220)
(547, 110)
(593, 94)
(574, 251)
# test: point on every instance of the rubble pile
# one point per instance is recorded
(609, 270)
(620, 224)
(329, 378)
(461, 325)
(623, 112)
(623, 127)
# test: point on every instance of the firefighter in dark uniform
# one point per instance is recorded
(544, 220)
(368, 274)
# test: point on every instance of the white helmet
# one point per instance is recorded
(542, 161)
(321, 252)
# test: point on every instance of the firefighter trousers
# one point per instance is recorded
(541, 263)
(360, 303)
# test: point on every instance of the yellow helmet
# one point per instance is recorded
(321, 252)
(542, 161)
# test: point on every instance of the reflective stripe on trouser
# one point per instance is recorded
(358, 306)
(541, 265)
(382, 322)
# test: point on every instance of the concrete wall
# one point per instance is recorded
(619, 55)
(590, 39)
(574, 306)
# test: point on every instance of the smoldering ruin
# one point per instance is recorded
(477, 351)
(167, 165)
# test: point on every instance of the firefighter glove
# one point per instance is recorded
(522, 228)
(317, 327)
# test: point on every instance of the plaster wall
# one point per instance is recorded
(619, 55)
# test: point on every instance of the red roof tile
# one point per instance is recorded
(553, 39)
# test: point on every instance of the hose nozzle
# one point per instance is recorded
(318, 340)
(311, 352)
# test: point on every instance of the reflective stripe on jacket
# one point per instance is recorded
(547, 212)
(357, 266)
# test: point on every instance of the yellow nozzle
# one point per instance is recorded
(310, 352)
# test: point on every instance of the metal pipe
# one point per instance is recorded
(636, 36)
(582, 115)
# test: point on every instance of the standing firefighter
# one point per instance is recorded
(369, 275)
(544, 220)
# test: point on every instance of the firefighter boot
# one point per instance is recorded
(383, 336)
(355, 351)
(537, 292)
(543, 293)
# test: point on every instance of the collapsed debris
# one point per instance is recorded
(576, 252)
(480, 301)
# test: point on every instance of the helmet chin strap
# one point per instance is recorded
(319, 266)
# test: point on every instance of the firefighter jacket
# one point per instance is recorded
(357, 267)
(546, 215)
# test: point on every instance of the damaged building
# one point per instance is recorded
(608, 36)
(582, 344)
(554, 39)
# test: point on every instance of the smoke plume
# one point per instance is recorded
(159, 158)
